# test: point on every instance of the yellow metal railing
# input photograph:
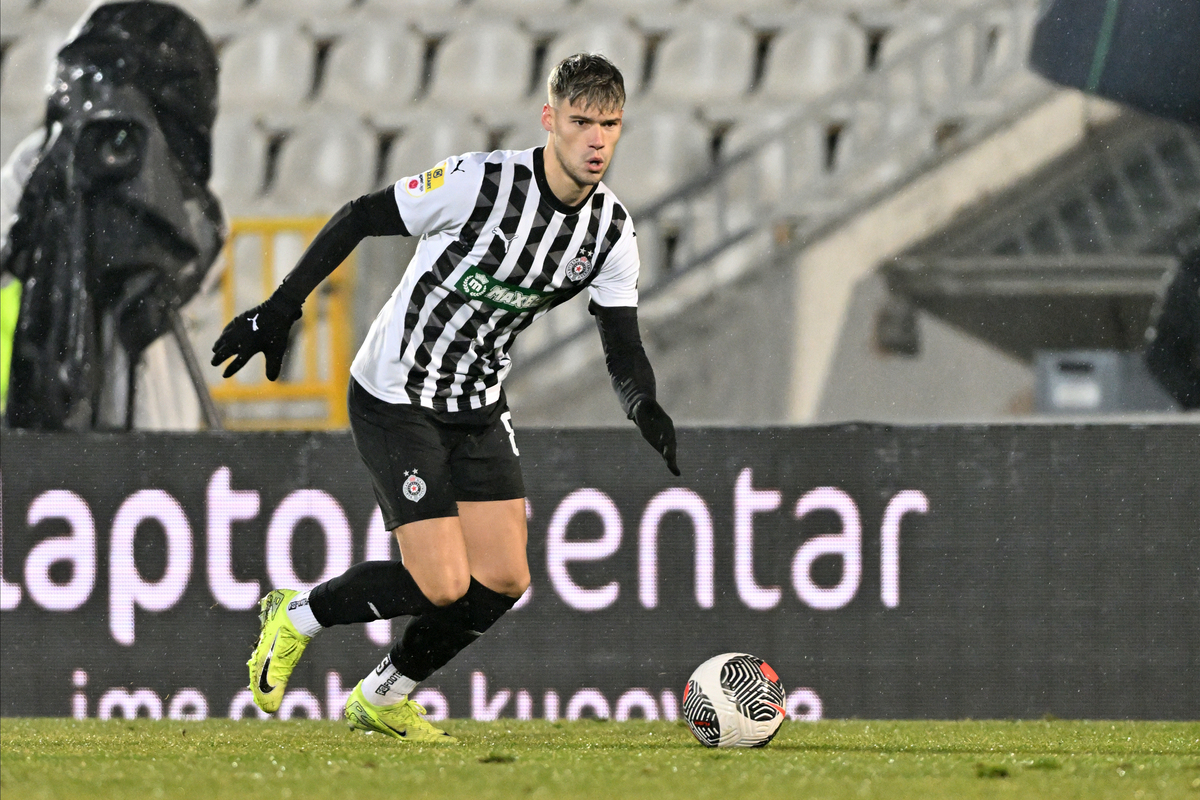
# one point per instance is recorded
(308, 378)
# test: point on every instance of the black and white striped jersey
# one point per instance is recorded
(497, 251)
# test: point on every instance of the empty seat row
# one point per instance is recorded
(21, 14)
(382, 66)
(322, 161)
(373, 68)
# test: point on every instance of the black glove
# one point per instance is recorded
(263, 329)
(657, 429)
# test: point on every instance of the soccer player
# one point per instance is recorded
(505, 237)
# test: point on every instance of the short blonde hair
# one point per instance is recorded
(590, 77)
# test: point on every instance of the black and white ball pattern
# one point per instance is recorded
(734, 700)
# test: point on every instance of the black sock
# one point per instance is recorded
(366, 592)
(435, 637)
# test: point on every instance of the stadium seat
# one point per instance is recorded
(428, 139)
(657, 152)
(270, 68)
(631, 6)
(15, 125)
(325, 162)
(704, 61)
(375, 67)
(304, 9)
(239, 161)
(620, 42)
(486, 65)
(213, 13)
(526, 129)
(28, 67)
(746, 5)
(812, 56)
(523, 8)
(60, 10)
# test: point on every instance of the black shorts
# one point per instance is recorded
(422, 462)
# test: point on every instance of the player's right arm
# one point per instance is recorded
(427, 202)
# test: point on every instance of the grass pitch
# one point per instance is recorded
(509, 759)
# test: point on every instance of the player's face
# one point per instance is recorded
(583, 139)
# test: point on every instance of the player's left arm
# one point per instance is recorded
(614, 304)
(265, 328)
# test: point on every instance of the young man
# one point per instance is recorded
(505, 237)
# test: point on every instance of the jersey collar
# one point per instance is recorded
(539, 174)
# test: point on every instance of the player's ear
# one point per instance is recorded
(548, 116)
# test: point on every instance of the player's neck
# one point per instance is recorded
(568, 191)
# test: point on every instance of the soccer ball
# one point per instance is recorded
(734, 700)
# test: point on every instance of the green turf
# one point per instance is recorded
(852, 759)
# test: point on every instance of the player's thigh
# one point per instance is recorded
(496, 537)
(434, 552)
(407, 459)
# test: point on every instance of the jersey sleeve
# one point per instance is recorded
(440, 198)
(617, 283)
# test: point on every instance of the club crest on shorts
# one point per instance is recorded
(414, 487)
(580, 266)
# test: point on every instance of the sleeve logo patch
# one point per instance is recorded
(427, 181)
(415, 186)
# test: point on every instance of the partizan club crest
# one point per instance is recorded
(414, 487)
(579, 267)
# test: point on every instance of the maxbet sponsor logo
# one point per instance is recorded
(478, 285)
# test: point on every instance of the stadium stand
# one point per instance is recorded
(617, 39)
(375, 67)
(752, 125)
(28, 68)
(710, 60)
(240, 146)
(267, 69)
(322, 164)
(483, 68)
(426, 140)
(813, 55)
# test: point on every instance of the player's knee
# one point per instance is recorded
(449, 588)
(512, 584)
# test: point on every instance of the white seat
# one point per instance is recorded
(745, 5)
(615, 39)
(239, 161)
(270, 68)
(213, 12)
(374, 68)
(657, 151)
(61, 10)
(630, 6)
(708, 60)
(522, 8)
(15, 125)
(326, 162)
(813, 56)
(429, 139)
(485, 65)
(28, 68)
(291, 9)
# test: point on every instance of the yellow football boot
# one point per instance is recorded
(404, 720)
(278, 651)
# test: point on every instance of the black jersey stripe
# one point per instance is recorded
(461, 353)
(440, 316)
(461, 341)
(517, 194)
(506, 329)
(444, 266)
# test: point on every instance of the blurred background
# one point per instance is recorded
(846, 209)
